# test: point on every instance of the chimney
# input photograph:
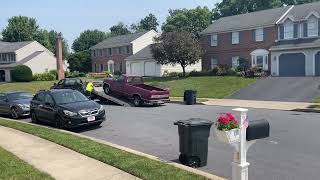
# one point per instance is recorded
(59, 56)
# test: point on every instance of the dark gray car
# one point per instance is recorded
(16, 104)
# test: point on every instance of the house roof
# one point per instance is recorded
(296, 44)
(118, 40)
(7, 47)
(245, 21)
(300, 12)
(144, 53)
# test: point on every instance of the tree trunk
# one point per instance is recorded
(183, 71)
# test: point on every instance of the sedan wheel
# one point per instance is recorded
(14, 113)
(58, 123)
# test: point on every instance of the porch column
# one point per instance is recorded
(7, 75)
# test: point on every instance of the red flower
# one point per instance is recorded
(223, 119)
(231, 118)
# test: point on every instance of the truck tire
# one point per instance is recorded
(137, 101)
(107, 89)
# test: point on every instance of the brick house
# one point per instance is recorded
(278, 40)
(109, 54)
(247, 36)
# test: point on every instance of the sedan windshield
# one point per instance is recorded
(19, 95)
(66, 97)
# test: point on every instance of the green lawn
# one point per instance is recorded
(139, 166)
(207, 87)
(13, 168)
(32, 87)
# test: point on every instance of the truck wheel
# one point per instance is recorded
(193, 162)
(107, 89)
(137, 101)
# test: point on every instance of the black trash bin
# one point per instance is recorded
(193, 141)
(190, 97)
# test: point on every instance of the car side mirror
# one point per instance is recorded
(49, 104)
(258, 129)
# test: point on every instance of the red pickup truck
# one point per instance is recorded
(132, 87)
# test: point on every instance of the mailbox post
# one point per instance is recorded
(256, 130)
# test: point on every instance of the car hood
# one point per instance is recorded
(77, 106)
(22, 101)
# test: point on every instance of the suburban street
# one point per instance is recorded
(290, 153)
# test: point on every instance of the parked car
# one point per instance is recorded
(16, 104)
(66, 108)
(70, 83)
(133, 87)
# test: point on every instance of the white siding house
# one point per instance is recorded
(29, 53)
(142, 63)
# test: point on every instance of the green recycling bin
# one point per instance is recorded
(190, 97)
(193, 141)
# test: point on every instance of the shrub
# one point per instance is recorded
(74, 74)
(231, 72)
(22, 73)
(44, 77)
(54, 72)
(223, 70)
(117, 73)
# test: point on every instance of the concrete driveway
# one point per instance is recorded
(291, 89)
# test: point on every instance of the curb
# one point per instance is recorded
(186, 168)
(307, 110)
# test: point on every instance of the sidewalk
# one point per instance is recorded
(61, 163)
(277, 105)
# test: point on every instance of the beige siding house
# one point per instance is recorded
(29, 53)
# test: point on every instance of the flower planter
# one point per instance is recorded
(228, 137)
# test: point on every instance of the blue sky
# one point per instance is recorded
(74, 16)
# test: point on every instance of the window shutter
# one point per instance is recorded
(318, 27)
(281, 31)
(264, 34)
(254, 35)
(295, 30)
(210, 39)
(305, 29)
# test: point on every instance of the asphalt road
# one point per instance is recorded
(291, 89)
(291, 153)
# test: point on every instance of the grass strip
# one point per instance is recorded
(139, 166)
(13, 168)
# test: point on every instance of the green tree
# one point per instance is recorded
(87, 39)
(119, 29)
(189, 20)
(148, 23)
(80, 61)
(53, 40)
(173, 48)
(20, 28)
(42, 37)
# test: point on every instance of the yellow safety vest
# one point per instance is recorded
(89, 87)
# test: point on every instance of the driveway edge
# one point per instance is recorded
(186, 168)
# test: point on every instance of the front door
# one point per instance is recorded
(262, 61)
(2, 76)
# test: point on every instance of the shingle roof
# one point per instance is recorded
(296, 44)
(6, 47)
(300, 12)
(248, 20)
(144, 53)
(118, 40)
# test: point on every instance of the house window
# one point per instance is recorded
(296, 30)
(101, 67)
(259, 34)
(100, 52)
(312, 27)
(128, 49)
(281, 32)
(235, 61)
(214, 40)
(110, 51)
(288, 29)
(4, 58)
(214, 63)
(235, 37)
(46, 70)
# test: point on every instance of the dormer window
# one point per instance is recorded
(312, 26)
(214, 40)
(235, 37)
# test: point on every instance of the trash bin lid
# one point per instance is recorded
(194, 122)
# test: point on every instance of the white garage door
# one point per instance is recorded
(150, 69)
(136, 69)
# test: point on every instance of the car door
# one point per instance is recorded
(37, 103)
(4, 105)
(46, 111)
(118, 84)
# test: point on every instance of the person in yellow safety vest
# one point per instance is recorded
(89, 89)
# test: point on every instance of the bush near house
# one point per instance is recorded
(44, 77)
(22, 73)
